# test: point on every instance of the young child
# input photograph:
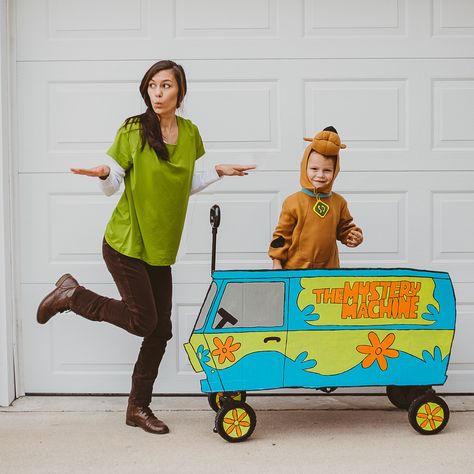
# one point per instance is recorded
(312, 219)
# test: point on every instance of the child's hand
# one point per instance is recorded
(354, 238)
(277, 264)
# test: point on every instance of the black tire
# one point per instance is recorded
(215, 399)
(402, 396)
(428, 414)
(235, 421)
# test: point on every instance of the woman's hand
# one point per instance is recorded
(101, 171)
(354, 238)
(233, 170)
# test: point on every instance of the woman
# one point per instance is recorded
(154, 153)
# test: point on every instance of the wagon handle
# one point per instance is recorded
(215, 218)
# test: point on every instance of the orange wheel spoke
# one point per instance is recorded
(424, 423)
(230, 429)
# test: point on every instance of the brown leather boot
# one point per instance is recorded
(58, 300)
(145, 419)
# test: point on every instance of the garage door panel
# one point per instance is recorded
(386, 16)
(463, 285)
(386, 236)
(453, 114)
(83, 116)
(143, 29)
(461, 366)
(453, 18)
(73, 19)
(341, 102)
(62, 221)
(235, 115)
(452, 233)
(228, 19)
(74, 29)
(76, 114)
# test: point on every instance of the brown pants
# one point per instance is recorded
(145, 310)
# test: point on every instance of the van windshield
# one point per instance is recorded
(205, 307)
(251, 304)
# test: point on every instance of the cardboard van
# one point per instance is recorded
(322, 329)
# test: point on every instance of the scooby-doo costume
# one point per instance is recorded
(311, 221)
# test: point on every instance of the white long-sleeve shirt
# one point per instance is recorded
(110, 185)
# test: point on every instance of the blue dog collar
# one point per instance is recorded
(310, 193)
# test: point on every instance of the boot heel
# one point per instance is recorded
(62, 279)
(130, 423)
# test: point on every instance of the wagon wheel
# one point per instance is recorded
(402, 396)
(215, 399)
(428, 414)
(235, 421)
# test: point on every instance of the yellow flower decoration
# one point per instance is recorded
(225, 350)
(239, 420)
(430, 414)
(378, 351)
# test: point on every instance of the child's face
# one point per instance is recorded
(320, 170)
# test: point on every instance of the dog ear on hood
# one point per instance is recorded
(327, 143)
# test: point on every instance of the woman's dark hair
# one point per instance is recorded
(150, 130)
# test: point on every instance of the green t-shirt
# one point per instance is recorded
(149, 218)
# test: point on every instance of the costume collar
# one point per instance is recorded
(320, 195)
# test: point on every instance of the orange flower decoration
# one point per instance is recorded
(378, 351)
(225, 350)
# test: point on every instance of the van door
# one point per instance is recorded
(247, 334)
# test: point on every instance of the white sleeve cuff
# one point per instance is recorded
(202, 179)
(111, 184)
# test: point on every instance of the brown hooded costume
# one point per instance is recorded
(306, 234)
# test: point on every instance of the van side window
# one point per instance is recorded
(252, 304)
(205, 307)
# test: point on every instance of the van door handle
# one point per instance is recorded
(273, 338)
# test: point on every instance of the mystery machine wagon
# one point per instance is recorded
(322, 329)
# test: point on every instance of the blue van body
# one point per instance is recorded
(268, 329)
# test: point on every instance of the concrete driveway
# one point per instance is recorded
(294, 434)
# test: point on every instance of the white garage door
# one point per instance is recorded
(395, 77)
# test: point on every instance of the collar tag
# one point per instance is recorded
(320, 208)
